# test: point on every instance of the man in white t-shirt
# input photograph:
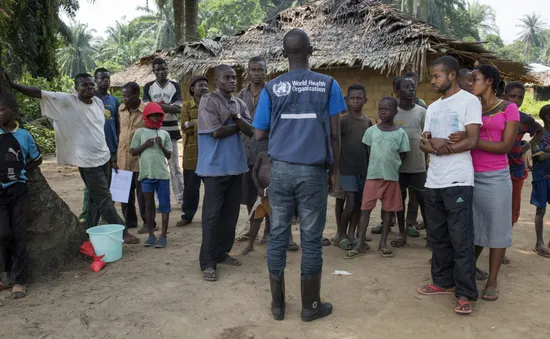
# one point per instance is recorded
(80, 141)
(450, 185)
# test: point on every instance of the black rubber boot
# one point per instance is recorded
(312, 307)
(277, 296)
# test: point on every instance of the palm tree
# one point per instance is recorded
(532, 33)
(159, 24)
(431, 11)
(76, 56)
(482, 18)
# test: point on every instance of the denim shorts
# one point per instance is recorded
(162, 187)
(352, 183)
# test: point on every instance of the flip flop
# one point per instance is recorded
(411, 232)
(376, 229)
(398, 242)
(18, 292)
(536, 250)
(420, 226)
(231, 261)
(212, 274)
(459, 308)
(386, 252)
(293, 247)
(433, 290)
(326, 242)
(132, 241)
(490, 295)
(354, 254)
(345, 244)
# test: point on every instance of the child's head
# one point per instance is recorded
(153, 115)
(465, 79)
(544, 115)
(356, 98)
(387, 109)
(8, 108)
(514, 92)
(405, 88)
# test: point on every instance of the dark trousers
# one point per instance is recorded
(129, 210)
(451, 238)
(220, 213)
(191, 194)
(412, 208)
(100, 203)
(14, 205)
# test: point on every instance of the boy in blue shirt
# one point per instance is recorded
(540, 196)
(18, 154)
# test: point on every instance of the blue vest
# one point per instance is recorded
(300, 125)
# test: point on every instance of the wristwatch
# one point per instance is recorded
(238, 116)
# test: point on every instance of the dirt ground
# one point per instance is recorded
(160, 293)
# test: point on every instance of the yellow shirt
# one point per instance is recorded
(129, 124)
(190, 112)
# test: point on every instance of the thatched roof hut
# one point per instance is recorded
(356, 33)
(371, 39)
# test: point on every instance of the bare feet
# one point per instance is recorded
(247, 250)
(130, 239)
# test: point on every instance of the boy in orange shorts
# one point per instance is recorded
(262, 209)
(387, 146)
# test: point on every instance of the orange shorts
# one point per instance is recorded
(389, 192)
(517, 186)
(262, 210)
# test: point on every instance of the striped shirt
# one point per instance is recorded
(169, 94)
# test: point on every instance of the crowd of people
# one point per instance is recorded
(281, 148)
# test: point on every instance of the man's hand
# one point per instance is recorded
(427, 136)
(261, 192)
(7, 76)
(525, 147)
(158, 141)
(114, 166)
(331, 181)
(457, 136)
(441, 146)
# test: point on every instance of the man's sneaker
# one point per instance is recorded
(150, 242)
(160, 243)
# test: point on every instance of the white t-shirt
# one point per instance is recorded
(79, 134)
(443, 117)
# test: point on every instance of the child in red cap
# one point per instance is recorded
(154, 147)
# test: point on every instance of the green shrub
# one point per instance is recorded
(43, 135)
(531, 106)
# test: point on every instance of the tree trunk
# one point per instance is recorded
(179, 21)
(191, 14)
(54, 234)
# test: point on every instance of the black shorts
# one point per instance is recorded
(415, 181)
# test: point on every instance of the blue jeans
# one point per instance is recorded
(304, 187)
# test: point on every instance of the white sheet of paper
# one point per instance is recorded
(337, 272)
(120, 185)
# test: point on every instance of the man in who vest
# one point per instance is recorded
(300, 114)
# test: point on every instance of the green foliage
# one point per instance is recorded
(43, 135)
(532, 34)
(76, 54)
(531, 106)
(223, 17)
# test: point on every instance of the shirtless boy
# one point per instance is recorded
(261, 209)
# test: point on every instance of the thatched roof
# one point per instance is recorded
(543, 78)
(356, 33)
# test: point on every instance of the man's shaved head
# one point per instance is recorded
(220, 69)
(296, 43)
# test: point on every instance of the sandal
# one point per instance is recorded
(18, 292)
(326, 242)
(490, 295)
(231, 261)
(209, 274)
(463, 306)
(411, 232)
(542, 252)
(130, 239)
(420, 226)
(398, 242)
(293, 247)
(376, 229)
(354, 254)
(434, 290)
(386, 252)
(345, 244)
